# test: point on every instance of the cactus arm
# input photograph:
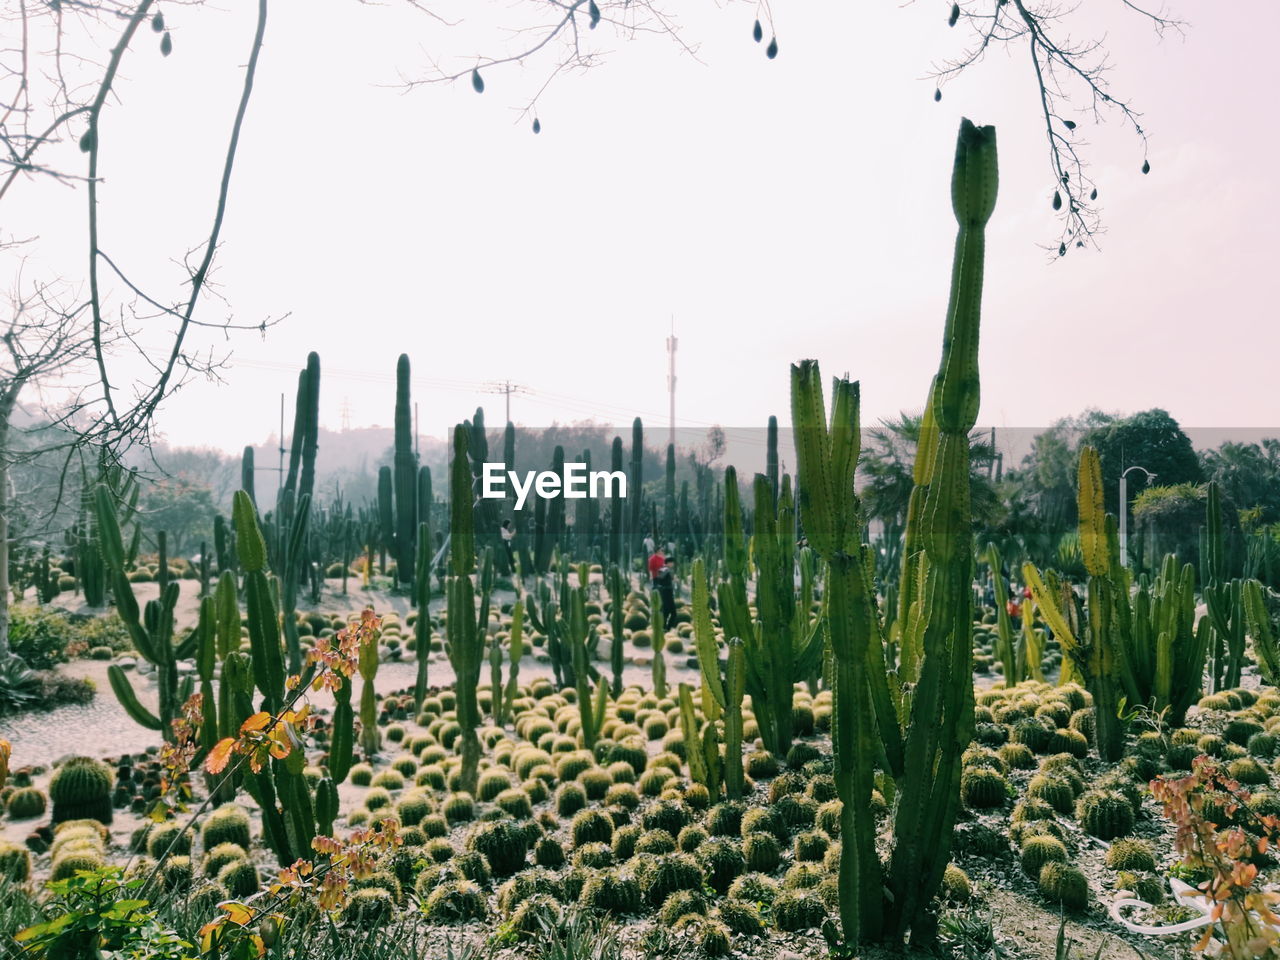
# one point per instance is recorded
(124, 692)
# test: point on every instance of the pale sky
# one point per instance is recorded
(777, 210)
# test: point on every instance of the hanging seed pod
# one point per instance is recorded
(593, 11)
(937, 94)
(1064, 179)
(772, 50)
(537, 125)
(955, 15)
(86, 141)
(166, 44)
(157, 23)
(757, 32)
(1069, 124)
(1057, 200)
(1146, 166)
(477, 81)
(1062, 249)
(1093, 195)
(1079, 244)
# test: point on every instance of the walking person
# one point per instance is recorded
(665, 584)
(508, 535)
(656, 563)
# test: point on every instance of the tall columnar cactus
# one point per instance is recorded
(370, 737)
(292, 814)
(1099, 651)
(246, 473)
(406, 476)
(579, 631)
(656, 628)
(386, 517)
(635, 488)
(771, 454)
(466, 629)
(782, 646)
(1222, 597)
(1004, 625)
(1166, 648)
(615, 504)
(422, 626)
(721, 697)
(923, 754)
(669, 496)
(1265, 648)
(150, 628)
(615, 583)
(701, 748)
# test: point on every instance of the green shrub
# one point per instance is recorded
(39, 635)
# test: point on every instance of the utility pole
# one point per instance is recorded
(1124, 510)
(507, 388)
(671, 381)
(346, 414)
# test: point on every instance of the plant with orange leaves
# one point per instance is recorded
(246, 929)
(1218, 833)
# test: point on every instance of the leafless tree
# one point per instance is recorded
(44, 344)
(1071, 78)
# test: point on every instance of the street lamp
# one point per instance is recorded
(1124, 511)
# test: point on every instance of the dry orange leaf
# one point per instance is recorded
(219, 756)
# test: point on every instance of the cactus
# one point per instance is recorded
(1100, 652)
(1166, 648)
(466, 629)
(370, 736)
(782, 646)
(151, 628)
(615, 505)
(422, 626)
(591, 709)
(721, 698)
(246, 474)
(935, 603)
(26, 803)
(406, 477)
(386, 516)
(983, 788)
(635, 488)
(81, 790)
(616, 585)
(1105, 814)
(1015, 669)
(1064, 884)
(1265, 648)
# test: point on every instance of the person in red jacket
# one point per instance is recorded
(656, 562)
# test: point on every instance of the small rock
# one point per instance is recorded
(127, 663)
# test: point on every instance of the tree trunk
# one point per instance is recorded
(4, 530)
